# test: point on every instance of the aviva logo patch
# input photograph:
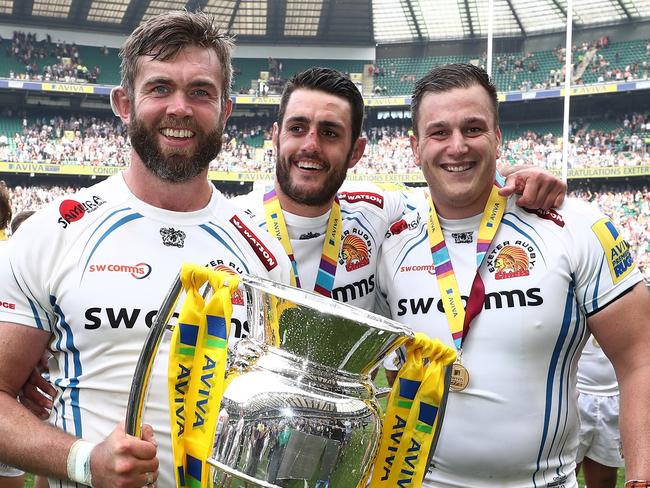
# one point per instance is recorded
(426, 417)
(616, 249)
(407, 391)
(189, 335)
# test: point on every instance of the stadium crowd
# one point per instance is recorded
(96, 141)
(32, 53)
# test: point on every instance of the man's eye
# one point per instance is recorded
(201, 93)
(160, 89)
(474, 130)
(330, 133)
(296, 129)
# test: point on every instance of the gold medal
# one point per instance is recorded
(459, 377)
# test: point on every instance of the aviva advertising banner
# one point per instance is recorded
(59, 169)
(90, 170)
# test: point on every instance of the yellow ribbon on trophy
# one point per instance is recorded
(197, 364)
(412, 414)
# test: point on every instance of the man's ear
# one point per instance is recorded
(227, 110)
(357, 151)
(498, 138)
(121, 104)
(275, 135)
(414, 147)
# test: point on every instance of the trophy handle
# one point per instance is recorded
(140, 384)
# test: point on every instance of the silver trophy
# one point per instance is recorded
(301, 410)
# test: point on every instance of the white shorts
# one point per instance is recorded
(600, 439)
(9, 471)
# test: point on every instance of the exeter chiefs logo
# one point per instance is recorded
(237, 297)
(172, 237)
(354, 252)
(510, 262)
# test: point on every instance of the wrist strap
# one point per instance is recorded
(79, 462)
(637, 484)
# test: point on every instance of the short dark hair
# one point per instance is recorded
(162, 37)
(329, 81)
(20, 218)
(448, 77)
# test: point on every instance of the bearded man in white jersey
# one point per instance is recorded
(518, 292)
(84, 276)
(317, 138)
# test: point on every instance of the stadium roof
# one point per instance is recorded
(427, 20)
(335, 21)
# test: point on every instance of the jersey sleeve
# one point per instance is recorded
(604, 266)
(24, 278)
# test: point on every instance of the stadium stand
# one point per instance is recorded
(391, 76)
(101, 140)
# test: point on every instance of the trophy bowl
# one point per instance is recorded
(299, 408)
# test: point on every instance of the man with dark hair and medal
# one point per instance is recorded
(518, 299)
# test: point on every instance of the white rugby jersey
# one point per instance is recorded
(516, 423)
(93, 268)
(596, 374)
(367, 212)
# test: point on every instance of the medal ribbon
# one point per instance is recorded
(277, 227)
(197, 362)
(411, 420)
(459, 319)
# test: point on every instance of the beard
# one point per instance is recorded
(175, 165)
(307, 196)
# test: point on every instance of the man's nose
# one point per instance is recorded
(312, 141)
(457, 143)
(179, 105)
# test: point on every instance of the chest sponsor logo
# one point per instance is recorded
(511, 260)
(463, 237)
(262, 252)
(398, 227)
(413, 268)
(366, 197)
(550, 214)
(308, 235)
(237, 298)
(138, 271)
(72, 210)
(7, 305)
(493, 300)
(98, 318)
(401, 225)
(355, 249)
(617, 250)
(353, 291)
(172, 237)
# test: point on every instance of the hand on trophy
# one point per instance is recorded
(125, 461)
